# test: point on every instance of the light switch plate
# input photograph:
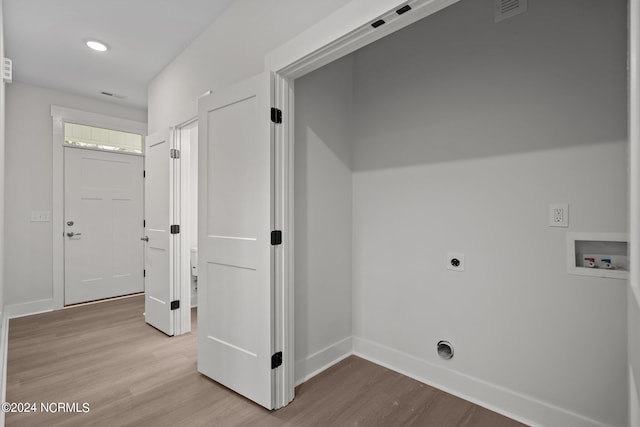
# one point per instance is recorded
(40, 216)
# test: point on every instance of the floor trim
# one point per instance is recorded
(4, 350)
(29, 308)
(523, 408)
(634, 400)
(43, 306)
(319, 361)
(98, 301)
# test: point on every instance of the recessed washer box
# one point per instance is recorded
(598, 255)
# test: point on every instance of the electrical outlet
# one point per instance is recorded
(559, 215)
(455, 261)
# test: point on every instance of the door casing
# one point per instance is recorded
(183, 289)
(341, 34)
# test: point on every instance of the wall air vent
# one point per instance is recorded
(505, 9)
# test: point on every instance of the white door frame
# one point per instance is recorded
(338, 35)
(59, 116)
(634, 147)
(183, 285)
(634, 191)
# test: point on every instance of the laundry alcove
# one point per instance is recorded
(454, 135)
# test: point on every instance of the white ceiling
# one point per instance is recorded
(45, 41)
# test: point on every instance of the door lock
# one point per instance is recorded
(69, 223)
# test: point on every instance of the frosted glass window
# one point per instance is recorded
(102, 139)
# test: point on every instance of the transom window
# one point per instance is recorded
(102, 139)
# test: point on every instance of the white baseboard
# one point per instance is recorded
(4, 341)
(634, 400)
(317, 362)
(512, 404)
(28, 308)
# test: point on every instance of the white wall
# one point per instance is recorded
(230, 50)
(323, 217)
(464, 132)
(3, 324)
(2, 167)
(28, 272)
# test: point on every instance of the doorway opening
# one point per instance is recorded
(419, 150)
(103, 211)
(96, 207)
(187, 141)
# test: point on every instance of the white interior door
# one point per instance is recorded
(235, 301)
(160, 243)
(103, 224)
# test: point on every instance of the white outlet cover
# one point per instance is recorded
(559, 215)
(455, 255)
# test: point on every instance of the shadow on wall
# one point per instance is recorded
(323, 199)
(457, 86)
(324, 106)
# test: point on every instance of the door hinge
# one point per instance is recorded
(276, 237)
(276, 360)
(276, 115)
(7, 70)
(144, 174)
(403, 9)
(174, 153)
(175, 304)
(144, 273)
(175, 229)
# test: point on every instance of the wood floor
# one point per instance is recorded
(131, 374)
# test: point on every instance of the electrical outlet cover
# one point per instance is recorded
(559, 215)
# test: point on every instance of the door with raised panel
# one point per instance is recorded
(235, 286)
(159, 242)
(103, 225)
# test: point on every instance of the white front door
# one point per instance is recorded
(235, 301)
(159, 252)
(103, 225)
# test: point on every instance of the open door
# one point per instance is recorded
(236, 332)
(159, 242)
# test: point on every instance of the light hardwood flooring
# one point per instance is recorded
(131, 374)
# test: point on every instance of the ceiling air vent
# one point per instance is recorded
(507, 8)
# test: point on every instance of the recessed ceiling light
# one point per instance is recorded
(95, 45)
